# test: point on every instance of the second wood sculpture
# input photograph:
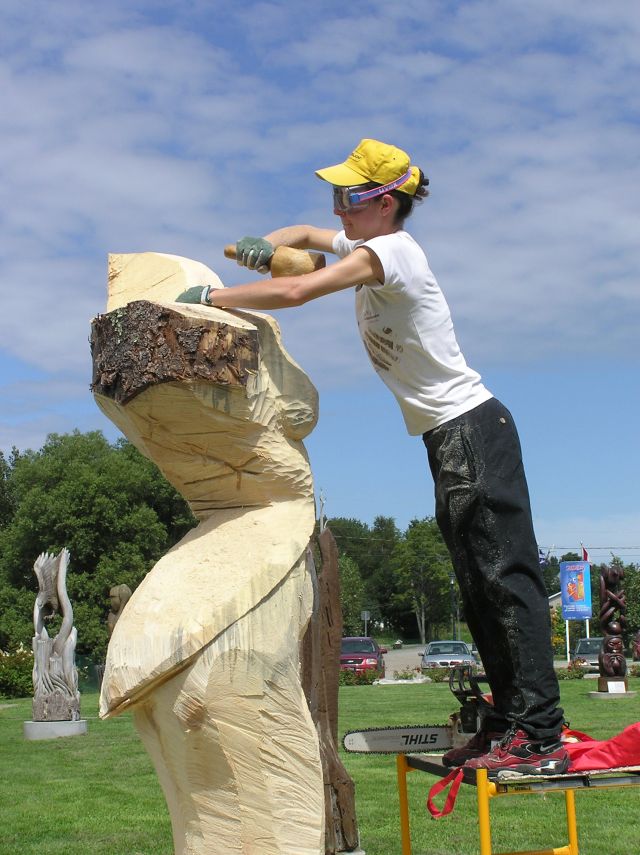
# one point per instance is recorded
(207, 651)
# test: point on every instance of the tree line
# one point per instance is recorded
(118, 515)
(404, 579)
(106, 503)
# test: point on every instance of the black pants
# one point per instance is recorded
(483, 512)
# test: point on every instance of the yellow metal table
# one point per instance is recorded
(488, 790)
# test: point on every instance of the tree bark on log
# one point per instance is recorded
(163, 345)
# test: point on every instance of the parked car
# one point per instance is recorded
(475, 653)
(360, 654)
(446, 654)
(588, 649)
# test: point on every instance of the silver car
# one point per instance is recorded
(446, 654)
(588, 650)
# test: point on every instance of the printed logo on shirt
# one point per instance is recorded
(376, 362)
(380, 350)
(397, 347)
(384, 343)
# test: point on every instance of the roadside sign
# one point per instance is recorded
(575, 587)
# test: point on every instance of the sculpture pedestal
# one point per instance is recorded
(56, 706)
(53, 729)
(611, 696)
(613, 685)
(612, 688)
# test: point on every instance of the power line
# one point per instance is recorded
(555, 548)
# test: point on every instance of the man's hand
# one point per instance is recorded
(254, 253)
(195, 294)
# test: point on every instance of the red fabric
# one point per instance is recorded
(592, 754)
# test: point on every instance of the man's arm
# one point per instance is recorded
(361, 266)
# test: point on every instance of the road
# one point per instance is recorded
(408, 657)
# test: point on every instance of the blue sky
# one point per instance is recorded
(181, 126)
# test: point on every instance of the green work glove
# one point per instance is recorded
(254, 253)
(195, 294)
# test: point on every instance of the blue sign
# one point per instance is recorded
(575, 587)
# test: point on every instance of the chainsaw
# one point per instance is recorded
(429, 738)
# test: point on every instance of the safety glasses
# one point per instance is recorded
(351, 199)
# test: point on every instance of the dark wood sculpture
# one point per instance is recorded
(119, 596)
(613, 665)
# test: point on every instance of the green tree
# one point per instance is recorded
(558, 633)
(632, 591)
(107, 504)
(551, 574)
(351, 595)
(381, 581)
(371, 548)
(353, 538)
(7, 501)
(422, 566)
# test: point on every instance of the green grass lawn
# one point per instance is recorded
(98, 794)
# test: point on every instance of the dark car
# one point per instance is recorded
(360, 654)
(588, 650)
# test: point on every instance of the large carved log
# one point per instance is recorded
(206, 652)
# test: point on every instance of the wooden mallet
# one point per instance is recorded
(287, 261)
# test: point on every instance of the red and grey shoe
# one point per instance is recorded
(480, 743)
(517, 754)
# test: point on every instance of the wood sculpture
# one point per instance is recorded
(119, 596)
(207, 651)
(55, 677)
(611, 660)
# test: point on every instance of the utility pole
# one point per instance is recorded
(454, 634)
(366, 617)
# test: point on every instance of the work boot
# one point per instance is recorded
(517, 754)
(479, 744)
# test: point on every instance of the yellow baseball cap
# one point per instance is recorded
(373, 161)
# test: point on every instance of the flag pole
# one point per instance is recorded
(585, 557)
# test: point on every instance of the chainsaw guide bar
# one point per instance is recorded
(407, 739)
